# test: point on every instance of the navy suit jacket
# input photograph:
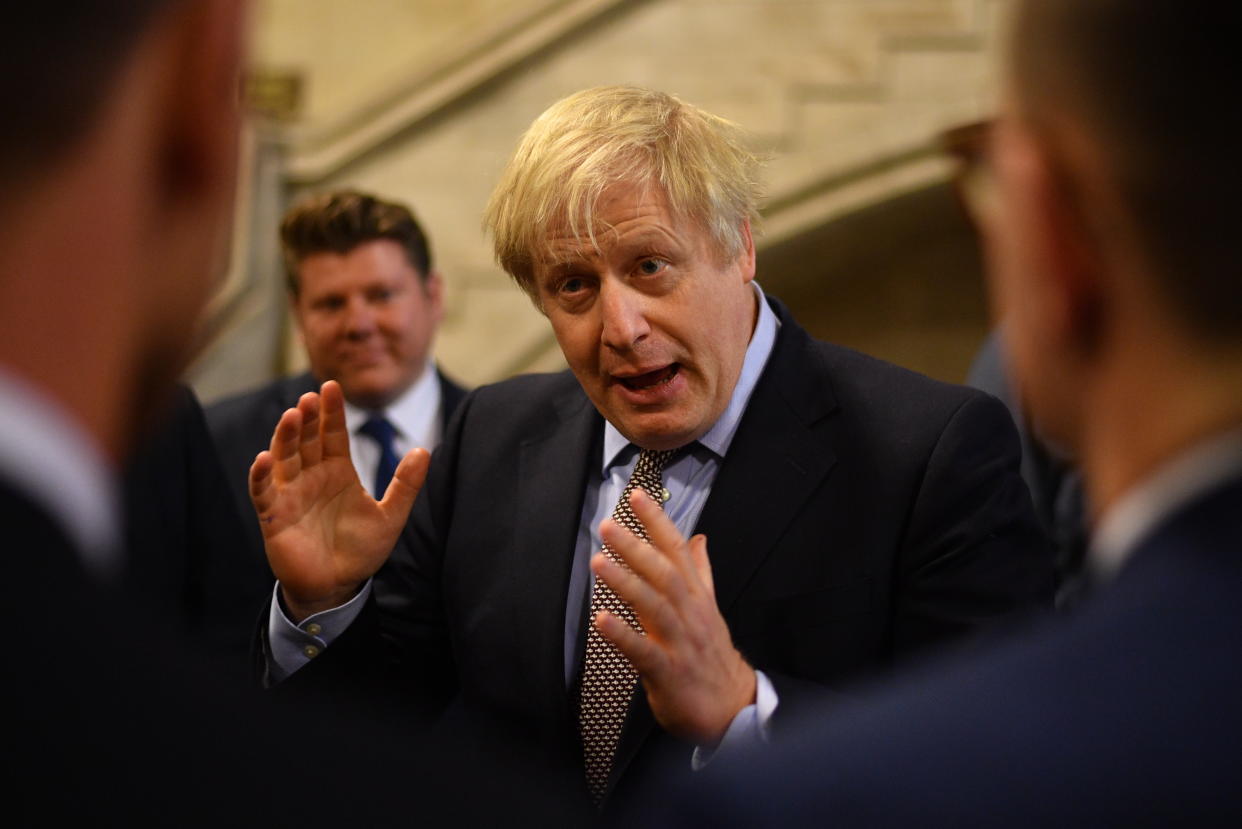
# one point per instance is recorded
(242, 427)
(111, 716)
(863, 514)
(187, 544)
(1126, 711)
(106, 719)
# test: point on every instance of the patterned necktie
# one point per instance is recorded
(378, 429)
(607, 676)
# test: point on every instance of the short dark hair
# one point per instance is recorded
(1156, 84)
(340, 221)
(56, 62)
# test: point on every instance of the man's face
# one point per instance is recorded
(367, 320)
(654, 324)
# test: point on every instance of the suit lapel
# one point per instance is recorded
(451, 396)
(551, 482)
(777, 460)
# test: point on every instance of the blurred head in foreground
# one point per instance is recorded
(1110, 240)
(122, 125)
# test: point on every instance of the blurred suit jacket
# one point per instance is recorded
(120, 705)
(112, 713)
(863, 514)
(187, 544)
(1123, 712)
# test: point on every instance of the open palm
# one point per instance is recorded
(324, 534)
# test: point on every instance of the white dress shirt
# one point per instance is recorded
(416, 417)
(1147, 504)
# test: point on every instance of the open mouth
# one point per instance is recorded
(651, 379)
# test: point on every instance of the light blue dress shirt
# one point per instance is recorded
(688, 478)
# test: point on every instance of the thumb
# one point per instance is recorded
(405, 485)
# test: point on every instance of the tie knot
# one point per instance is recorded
(652, 461)
(379, 430)
(647, 473)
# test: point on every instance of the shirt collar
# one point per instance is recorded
(718, 438)
(413, 414)
(1149, 503)
(47, 455)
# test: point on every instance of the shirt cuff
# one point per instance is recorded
(749, 727)
(292, 646)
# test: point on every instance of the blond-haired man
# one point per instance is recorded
(849, 514)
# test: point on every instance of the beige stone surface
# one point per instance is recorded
(351, 53)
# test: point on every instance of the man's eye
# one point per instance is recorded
(381, 295)
(652, 266)
(572, 285)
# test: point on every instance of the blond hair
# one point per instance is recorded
(583, 144)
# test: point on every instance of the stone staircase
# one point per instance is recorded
(846, 97)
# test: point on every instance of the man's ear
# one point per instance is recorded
(1074, 283)
(747, 257)
(202, 98)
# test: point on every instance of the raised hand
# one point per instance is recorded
(696, 681)
(324, 534)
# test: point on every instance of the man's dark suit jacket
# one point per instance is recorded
(104, 718)
(242, 427)
(1123, 712)
(863, 514)
(111, 717)
(187, 545)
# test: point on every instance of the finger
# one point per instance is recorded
(657, 612)
(644, 653)
(333, 431)
(286, 442)
(649, 562)
(405, 485)
(311, 448)
(702, 564)
(663, 532)
(262, 493)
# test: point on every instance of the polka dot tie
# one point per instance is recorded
(607, 676)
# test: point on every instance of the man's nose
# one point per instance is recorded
(623, 316)
(359, 318)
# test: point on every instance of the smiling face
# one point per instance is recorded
(654, 323)
(367, 320)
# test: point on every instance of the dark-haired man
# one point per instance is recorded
(367, 301)
(1113, 257)
(123, 125)
(121, 121)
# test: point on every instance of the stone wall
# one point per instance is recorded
(846, 96)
